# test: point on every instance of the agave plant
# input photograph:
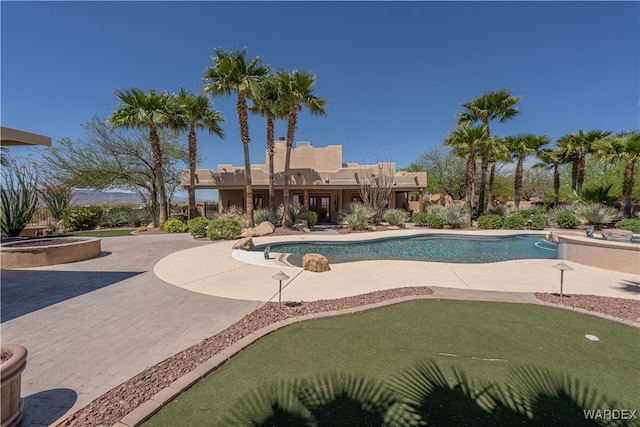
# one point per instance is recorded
(396, 217)
(455, 216)
(357, 216)
(295, 209)
(502, 210)
(596, 214)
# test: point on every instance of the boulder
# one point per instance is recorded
(247, 232)
(245, 244)
(265, 227)
(554, 234)
(618, 235)
(315, 262)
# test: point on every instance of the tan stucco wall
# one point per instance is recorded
(58, 254)
(617, 256)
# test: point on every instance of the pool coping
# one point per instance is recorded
(156, 402)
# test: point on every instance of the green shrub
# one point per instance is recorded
(19, 194)
(294, 210)
(262, 215)
(514, 222)
(525, 213)
(234, 212)
(395, 217)
(198, 226)
(538, 222)
(566, 220)
(311, 217)
(596, 214)
(490, 222)
(502, 210)
(174, 225)
(630, 224)
(115, 217)
(225, 228)
(356, 216)
(420, 219)
(82, 217)
(137, 217)
(434, 221)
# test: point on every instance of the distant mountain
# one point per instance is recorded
(100, 198)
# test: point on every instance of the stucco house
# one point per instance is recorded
(319, 180)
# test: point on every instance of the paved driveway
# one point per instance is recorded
(91, 325)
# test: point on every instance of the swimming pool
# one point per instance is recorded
(452, 248)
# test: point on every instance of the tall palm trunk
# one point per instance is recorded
(556, 186)
(243, 118)
(492, 176)
(270, 152)
(627, 188)
(469, 185)
(518, 184)
(192, 171)
(157, 165)
(582, 161)
(287, 221)
(574, 171)
(483, 181)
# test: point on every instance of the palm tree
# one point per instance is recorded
(574, 148)
(498, 153)
(265, 103)
(551, 159)
(153, 111)
(465, 142)
(496, 105)
(623, 146)
(295, 91)
(520, 147)
(196, 114)
(232, 73)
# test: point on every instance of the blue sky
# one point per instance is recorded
(393, 73)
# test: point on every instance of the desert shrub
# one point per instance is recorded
(455, 216)
(224, 228)
(490, 222)
(294, 210)
(434, 221)
(19, 197)
(566, 220)
(514, 222)
(56, 197)
(596, 214)
(174, 225)
(538, 222)
(198, 226)
(311, 217)
(525, 213)
(234, 212)
(395, 217)
(115, 217)
(137, 217)
(502, 210)
(629, 224)
(262, 215)
(356, 216)
(82, 217)
(419, 219)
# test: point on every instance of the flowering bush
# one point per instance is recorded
(56, 197)
(82, 217)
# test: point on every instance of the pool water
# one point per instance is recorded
(434, 248)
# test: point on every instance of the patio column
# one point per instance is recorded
(305, 199)
(420, 202)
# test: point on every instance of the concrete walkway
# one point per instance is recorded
(91, 325)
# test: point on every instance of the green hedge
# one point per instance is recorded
(514, 222)
(630, 224)
(311, 217)
(538, 222)
(428, 220)
(174, 225)
(198, 226)
(490, 222)
(224, 229)
(567, 220)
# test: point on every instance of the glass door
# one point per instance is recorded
(321, 205)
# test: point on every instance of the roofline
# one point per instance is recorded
(12, 137)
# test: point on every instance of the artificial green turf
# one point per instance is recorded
(103, 233)
(486, 341)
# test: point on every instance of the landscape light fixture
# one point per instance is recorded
(562, 267)
(280, 277)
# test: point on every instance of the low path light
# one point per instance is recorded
(280, 277)
(562, 267)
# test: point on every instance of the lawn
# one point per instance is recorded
(102, 233)
(435, 356)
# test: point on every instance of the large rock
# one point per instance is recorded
(265, 227)
(247, 232)
(554, 234)
(618, 235)
(245, 244)
(315, 262)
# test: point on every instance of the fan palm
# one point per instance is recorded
(197, 114)
(465, 142)
(265, 103)
(550, 159)
(152, 111)
(520, 147)
(497, 153)
(624, 146)
(234, 73)
(574, 148)
(496, 105)
(295, 91)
